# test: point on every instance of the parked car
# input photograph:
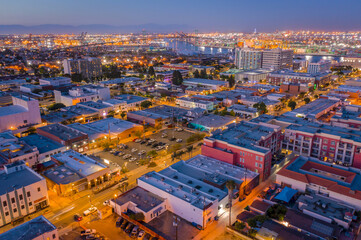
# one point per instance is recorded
(179, 129)
(124, 224)
(134, 231)
(143, 142)
(164, 135)
(147, 236)
(151, 140)
(142, 152)
(179, 140)
(90, 211)
(134, 150)
(120, 153)
(129, 228)
(133, 159)
(197, 225)
(106, 202)
(123, 179)
(126, 156)
(159, 148)
(173, 139)
(119, 222)
(140, 234)
(78, 218)
(87, 232)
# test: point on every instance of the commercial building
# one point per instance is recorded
(22, 192)
(196, 189)
(353, 61)
(118, 81)
(38, 228)
(243, 111)
(322, 66)
(82, 94)
(211, 122)
(54, 81)
(294, 88)
(76, 113)
(288, 76)
(315, 109)
(330, 143)
(65, 135)
(29, 88)
(24, 112)
(89, 67)
(101, 108)
(167, 76)
(132, 101)
(148, 118)
(12, 150)
(45, 146)
(337, 182)
(252, 76)
(206, 83)
(246, 144)
(349, 116)
(6, 84)
(277, 58)
(75, 172)
(248, 59)
(195, 103)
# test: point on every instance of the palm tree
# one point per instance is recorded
(231, 185)
(189, 150)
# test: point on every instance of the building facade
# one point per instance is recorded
(248, 59)
(276, 59)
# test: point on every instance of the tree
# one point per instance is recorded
(189, 150)
(239, 226)
(56, 106)
(277, 212)
(231, 185)
(152, 164)
(232, 113)
(146, 104)
(177, 78)
(307, 100)
(203, 74)
(123, 114)
(152, 153)
(231, 81)
(261, 107)
(151, 71)
(292, 105)
(76, 77)
(196, 74)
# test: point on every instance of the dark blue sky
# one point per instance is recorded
(205, 15)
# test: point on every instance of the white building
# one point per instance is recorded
(22, 192)
(87, 67)
(195, 103)
(38, 228)
(54, 81)
(206, 83)
(248, 58)
(24, 112)
(277, 59)
(82, 94)
(132, 101)
(322, 66)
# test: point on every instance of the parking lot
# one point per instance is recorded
(136, 152)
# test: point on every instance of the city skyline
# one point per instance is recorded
(188, 16)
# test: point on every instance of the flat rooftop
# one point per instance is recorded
(140, 197)
(325, 206)
(62, 175)
(128, 98)
(121, 80)
(43, 144)
(63, 132)
(311, 109)
(213, 121)
(195, 100)
(79, 110)
(18, 179)
(148, 114)
(113, 125)
(204, 81)
(92, 104)
(168, 111)
(57, 117)
(11, 110)
(245, 134)
(82, 164)
(29, 230)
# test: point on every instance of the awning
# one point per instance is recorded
(286, 194)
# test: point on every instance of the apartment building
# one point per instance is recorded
(55, 81)
(89, 67)
(322, 66)
(288, 76)
(248, 58)
(246, 144)
(22, 192)
(277, 58)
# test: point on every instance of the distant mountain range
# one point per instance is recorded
(91, 28)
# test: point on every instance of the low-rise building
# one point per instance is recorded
(252, 76)
(102, 109)
(75, 172)
(246, 144)
(294, 88)
(38, 228)
(206, 83)
(117, 81)
(211, 122)
(29, 88)
(349, 116)
(55, 81)
(82, 94)
(288, 76)
(243, 111)
(24, 112)
(312, 175)
(195, 103)
(317, 67)
(45, 146)
(12, 150)
(132, 101)
(65, 135)
(22, 192)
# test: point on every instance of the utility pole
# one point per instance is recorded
(175, 224)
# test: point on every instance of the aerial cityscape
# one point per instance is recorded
(162, 120)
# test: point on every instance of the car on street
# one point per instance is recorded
(134, 231)
(120, 153)
(88, 232)
(151, 140)
(159, 148)
(119, 222)
(90, 211)
(179, 140)
(124, 224)
(129, 228)
(137, 140)
(143, 142)
(78, 218)
(147, 236)
(140, 234)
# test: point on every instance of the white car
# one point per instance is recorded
(179, 129)
(137, 140)
(133, 159)
(90, 211)
(87, 232)
(179, 140)
(126, 156)
(134, 150)
(151, 141)
(106, 202)
(141, 234)
(164, 135)
(142, 152)
(159, 148)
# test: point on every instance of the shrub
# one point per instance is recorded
(152, 164)
(277, 212)
(239, 226)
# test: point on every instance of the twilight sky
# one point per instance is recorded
(204, 15)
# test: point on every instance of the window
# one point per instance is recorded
(54, 236)
(257, 158)
(12, 200)
(325, 141)
(21, 197)
(324, 147)
(6, 213)
(332, 142)
(5, 204)
(30, 204)
(28, 194)
(22, 206)
(38, 189)
(261, 159)
(15, 210)
(260, 165)
(25, 121)
(256, 164)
